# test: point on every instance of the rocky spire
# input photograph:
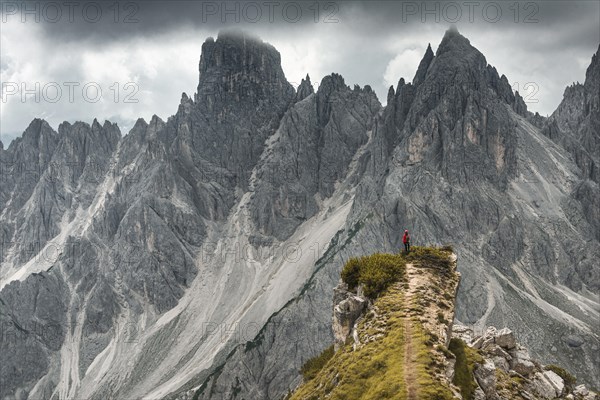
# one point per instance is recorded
(423, 66)
(391, 94)
(456, 44)
(329, 84)
(305, 89)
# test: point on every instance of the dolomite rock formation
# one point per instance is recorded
(200, 251)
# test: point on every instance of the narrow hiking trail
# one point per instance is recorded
(409, 361)
(414, 280)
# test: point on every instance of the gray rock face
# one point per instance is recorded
(542, 387)
(311, 152)
(521, 361)
(505, 338)
(200, 252)
(345, 314)
(485, 375)
(576, 122)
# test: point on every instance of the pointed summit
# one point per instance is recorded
(391, 94)
(454, 41)
(423, 66)
(453, 30)
(305, 89)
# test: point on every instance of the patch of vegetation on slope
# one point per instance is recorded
(466, 358)
(311, 368)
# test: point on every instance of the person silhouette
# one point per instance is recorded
(406, 241)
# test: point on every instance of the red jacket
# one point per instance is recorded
(406, 238)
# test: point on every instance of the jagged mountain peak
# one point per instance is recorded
(37, 127)
(594, 64)
(592, 80)
(332, 82)
(401, 82)
(423, 66)
(391, 94)
(240, 67)
(140, 123)
(575, 122)
(453, 40)
(305, 89)
(455, 46)
(185, 98)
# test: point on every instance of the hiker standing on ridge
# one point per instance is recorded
(406, 241)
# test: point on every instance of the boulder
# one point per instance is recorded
(574, 341)
(521, 362)
(340, 292)
(486, 339)
(500, 352)
(542, 387)
(477, 342)
(581, 390)
(462, 332)
(501, 363)
(556, 381)
(486, 377)
(505, 338)
(345, 314)
(488, 343)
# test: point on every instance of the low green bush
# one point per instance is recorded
(375, 272)
(351, 272)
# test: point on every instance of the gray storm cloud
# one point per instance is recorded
(141, 55)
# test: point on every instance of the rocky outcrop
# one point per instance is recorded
(506, 370)
(348, 307)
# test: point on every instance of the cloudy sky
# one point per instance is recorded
(80, 60)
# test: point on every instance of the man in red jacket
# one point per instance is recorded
(406, 241)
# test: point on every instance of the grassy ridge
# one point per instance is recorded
(397, 357)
